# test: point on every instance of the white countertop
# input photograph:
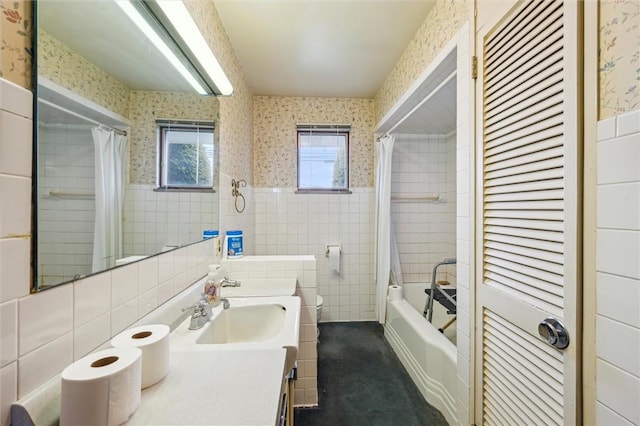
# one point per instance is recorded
(225, 387)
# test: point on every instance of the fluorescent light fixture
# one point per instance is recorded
(176, 12)
(157, 41)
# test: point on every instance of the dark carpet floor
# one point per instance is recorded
(362, 382)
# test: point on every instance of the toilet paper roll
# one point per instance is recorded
(334, 258)
(102, 388)
(395, 293)
(153, 340)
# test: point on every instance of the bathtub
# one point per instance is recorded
(428, 356)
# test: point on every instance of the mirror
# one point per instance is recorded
(100, 82)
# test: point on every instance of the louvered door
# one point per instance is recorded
(528, 241)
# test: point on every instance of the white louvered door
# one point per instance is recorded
(529, 211)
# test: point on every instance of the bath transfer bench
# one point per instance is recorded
(445, 296)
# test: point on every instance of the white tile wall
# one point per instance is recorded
(43, 317)
(15, 273)
(303, 224)
(65, 223)
(614, 338)
(15, 240)
(15, 153)
(153, 219)
(148, 275)
(91, 298)
(8, 332)
(606, 416)
(15, 206)
(618, 273)
(124, 284)
(425, 231)
(618, 298)
(91, 335)
(123, 316)
(40, 365)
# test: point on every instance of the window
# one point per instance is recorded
(323, 158)
(187, 155)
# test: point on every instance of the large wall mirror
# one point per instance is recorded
(112, 113)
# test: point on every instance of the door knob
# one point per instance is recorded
(554, 333)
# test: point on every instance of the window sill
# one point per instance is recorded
(323, 191)
(201, 190)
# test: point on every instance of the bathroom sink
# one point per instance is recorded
(248, 323)
(240, 324)
(262, 287)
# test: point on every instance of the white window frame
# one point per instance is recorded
(164, 126)
(310, 129)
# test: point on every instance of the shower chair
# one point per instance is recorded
(445, 296)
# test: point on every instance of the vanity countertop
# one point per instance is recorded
(224, 387)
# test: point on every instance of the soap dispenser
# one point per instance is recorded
(212, 284)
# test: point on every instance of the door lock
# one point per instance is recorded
(554, 333)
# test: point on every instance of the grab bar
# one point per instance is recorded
(416, 198)
(58, 193)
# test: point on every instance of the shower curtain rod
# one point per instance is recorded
(82, 117)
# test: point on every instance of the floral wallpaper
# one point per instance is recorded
(67, 68)
(145, 108)
(619, 57)
(275, 120)
(16, 28)
(443, 22)
(236, 111)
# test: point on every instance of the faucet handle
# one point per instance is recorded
(194, 306)
(199, 305)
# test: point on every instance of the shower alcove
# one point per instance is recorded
(430, 220)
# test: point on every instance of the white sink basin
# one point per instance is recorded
(262, 287)
(248, 323)
(241, 324)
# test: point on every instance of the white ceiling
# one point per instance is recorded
(324, 48)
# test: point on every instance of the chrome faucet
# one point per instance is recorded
(200, 314)
(223, 300)
(226, 282)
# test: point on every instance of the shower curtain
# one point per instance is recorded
(110, 151)
(396, 270)
(384, 152)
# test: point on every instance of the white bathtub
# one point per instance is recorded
(429, 357)
(415, 295)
